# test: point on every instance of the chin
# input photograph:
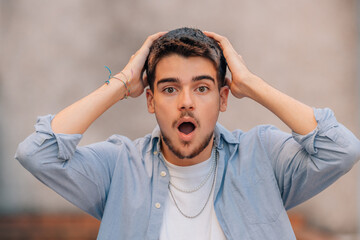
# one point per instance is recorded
(187, 150)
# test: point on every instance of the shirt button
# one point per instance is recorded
(155, 152)
(163, 173)
(157, 205)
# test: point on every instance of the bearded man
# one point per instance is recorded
(191, 178)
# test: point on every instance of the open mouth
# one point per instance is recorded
(186, 127)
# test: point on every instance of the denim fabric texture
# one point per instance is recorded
(261, 174)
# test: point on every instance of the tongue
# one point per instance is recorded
(186, 127)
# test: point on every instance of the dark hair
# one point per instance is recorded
(187, 42)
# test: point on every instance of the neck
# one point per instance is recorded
(204, 155)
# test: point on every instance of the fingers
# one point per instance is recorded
(234, 60)
(232, 57)
(145, 80)
(135, 66)
(138, 59)
(145, 48)
(150, 39)
(227, 82)
(222, 41)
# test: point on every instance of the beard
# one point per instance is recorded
(178, 153)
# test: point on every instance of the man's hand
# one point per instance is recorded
(135, 67)
(298, 116)
(77, 117)
(241, 76)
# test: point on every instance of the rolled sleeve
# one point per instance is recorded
(81, 175)
(332, 137)
(66, 143)
(325, 120)
(321, 157)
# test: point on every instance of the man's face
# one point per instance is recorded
(186, 101)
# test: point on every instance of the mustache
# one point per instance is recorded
(186, 114)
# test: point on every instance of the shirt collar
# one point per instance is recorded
(220, 132)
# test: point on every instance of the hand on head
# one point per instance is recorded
(135, 67)
(240, 74)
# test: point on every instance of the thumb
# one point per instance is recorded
(227, 82)
(145, 80)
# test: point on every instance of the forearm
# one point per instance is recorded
(83, 180)
(76, 118)
(296, 115)
(79, 116)
(311, 161)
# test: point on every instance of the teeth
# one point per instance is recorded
(186, 127)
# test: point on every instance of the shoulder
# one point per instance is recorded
(124, 143)
(118, 140)
(257, 144)
(260, 132)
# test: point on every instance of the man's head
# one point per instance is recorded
(186, 74)
(186, 42)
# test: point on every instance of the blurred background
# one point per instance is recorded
(52, 53)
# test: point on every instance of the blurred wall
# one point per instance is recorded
(53, 53)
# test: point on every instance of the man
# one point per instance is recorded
(191, 178)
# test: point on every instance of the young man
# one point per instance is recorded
(191, 178)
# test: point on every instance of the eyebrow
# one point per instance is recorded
(203, 77)
(166, 80)
(177, 80)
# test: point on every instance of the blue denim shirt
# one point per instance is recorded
(261, 174)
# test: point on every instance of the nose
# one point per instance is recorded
(186, 101)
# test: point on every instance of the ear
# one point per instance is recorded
(150, 101)
(224, 93)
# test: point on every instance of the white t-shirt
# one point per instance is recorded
(175, 226)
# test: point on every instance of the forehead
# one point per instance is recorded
(184, 68)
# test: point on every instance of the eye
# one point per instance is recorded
(202, 89)
(169, 90)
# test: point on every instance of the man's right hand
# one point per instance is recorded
(77, 117)
(134, 69)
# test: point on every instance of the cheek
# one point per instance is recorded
(212, 117)
(210, 114)
(210, 105)
(164, 115)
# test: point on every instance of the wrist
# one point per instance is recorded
(115, 88)
(252, 86)
(123, 78)
(259, 90)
